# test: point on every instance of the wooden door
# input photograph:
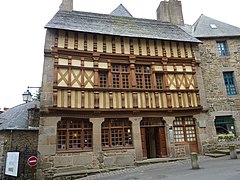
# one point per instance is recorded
(192, 138)
(158, 142)
(144, 144)
(163, 144)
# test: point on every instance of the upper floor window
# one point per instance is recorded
(120, 76)
(74, 134)
(230, 83)
(222, 48)
(103, 80)
(143, 77)
(159, 79)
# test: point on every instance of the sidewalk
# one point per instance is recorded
(222, 168)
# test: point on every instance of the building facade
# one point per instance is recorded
(117, 89)
(220, 58)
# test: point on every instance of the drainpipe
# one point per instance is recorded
(11, 138)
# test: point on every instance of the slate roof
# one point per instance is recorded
(118, 26)
(202, 28)
(121, 11)
(17, 117)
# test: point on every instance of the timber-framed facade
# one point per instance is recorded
(111, 98)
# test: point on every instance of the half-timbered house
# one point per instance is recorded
(115, 90)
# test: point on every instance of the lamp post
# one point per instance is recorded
(27, 96)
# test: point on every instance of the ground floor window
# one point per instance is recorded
(74, 134)
(225, 125)
(184, 129)
(116, 133)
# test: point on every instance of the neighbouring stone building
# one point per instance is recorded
(220, 58)
(19, 129)
(118, 89)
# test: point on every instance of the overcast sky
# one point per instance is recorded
(22, 33)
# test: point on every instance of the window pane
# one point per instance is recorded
(159, 80)
(74, 139)
(103, 79)
(116, 83)
(139, 81)
(62, 140)
(125, 81)
(147, 82)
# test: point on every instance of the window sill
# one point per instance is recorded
(74, 150)
(116, 148)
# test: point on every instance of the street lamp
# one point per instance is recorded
(27, 96)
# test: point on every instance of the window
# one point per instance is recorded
(143, 77)
(222, 48)
(120, 76)
(184, 129)
(159, 79)
(230, 83)
(116, 133)
(225, 125)
(103, 79)
(74, 135)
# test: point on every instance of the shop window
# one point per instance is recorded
(184, 129)
(222, 48)
(116, 133)
(230, 83)
(74, 135)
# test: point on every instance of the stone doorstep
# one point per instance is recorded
(158, 160)
(225, 151)
(215, 155)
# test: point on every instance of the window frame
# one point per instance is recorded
(222, 48)
(110, 133)
(159, 86)
(230, 83)
(184, 130)
(145, 80)
(123, 76)
(82, 128)
(106, 84)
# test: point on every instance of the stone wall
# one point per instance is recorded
(66, 164)
(20, 139)
(225, 145)
(213, 67)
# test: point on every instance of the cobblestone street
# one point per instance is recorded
(210, 169)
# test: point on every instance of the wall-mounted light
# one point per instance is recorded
(27, 96)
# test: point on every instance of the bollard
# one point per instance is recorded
(233, 152)
(194, 160)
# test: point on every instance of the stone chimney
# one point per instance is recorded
(67, 5)
(170, 11)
